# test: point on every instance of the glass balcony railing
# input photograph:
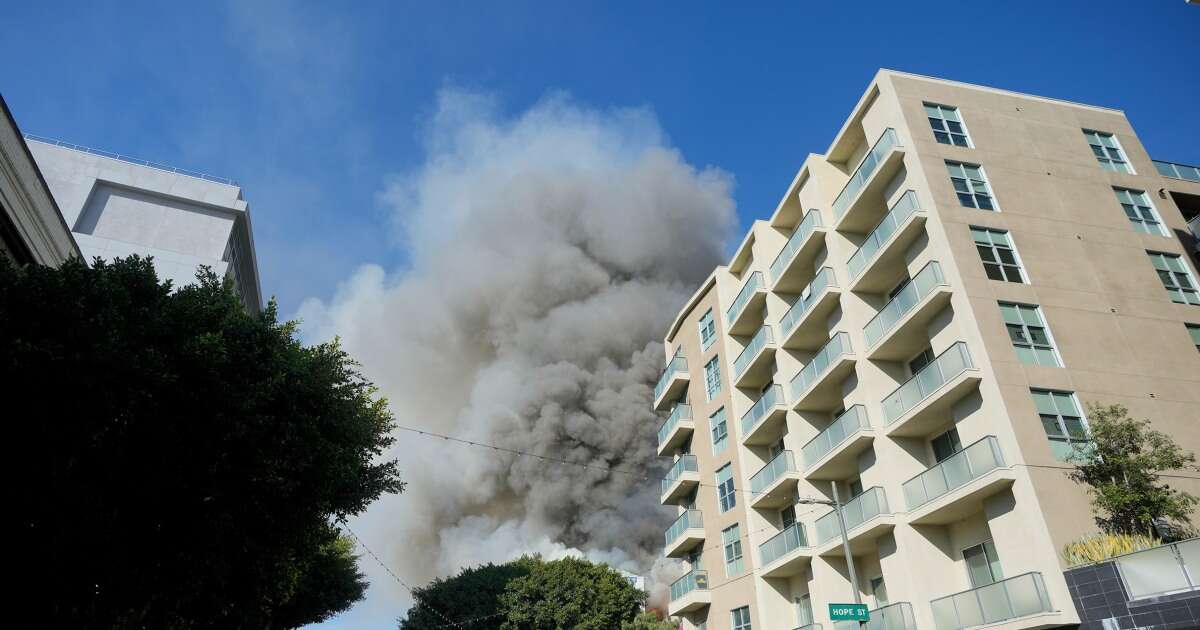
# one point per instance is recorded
(950, 363)
(783, 543)
(676, 366)
(1178, 171)
(922, 284)
(681, 412)
(690, 519)
(760, 341)
(865, 169)
(813, 292)
(898, 616)
(782, 464)
(1194, 226)
(753, 283)
(799, 235)
(850, 422)
(687, 463)
(1164, 570)
(953, 472)
(1014, 597)
(857, 511)
(837, 347)
(882, 233)
(695, 580)
(773, 396)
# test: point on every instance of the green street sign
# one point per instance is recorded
(849, 612)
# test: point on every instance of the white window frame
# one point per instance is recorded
(1193, 330)
(1191, 294)
(731, 545)
(1064, 435)
(973, 185)
(1012, 247)
(1138, 203)
(962, 553)
(718, 444)
(726, 495)
(1044, 325)
(708, 330)
(1104, 153)
(940, 111)
(733, 619)
(712, 378)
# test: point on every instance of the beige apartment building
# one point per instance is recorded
(921, 323)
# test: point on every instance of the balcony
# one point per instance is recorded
(956, 487)
(752, 368)
(675, 430)
(672, 384)
(803, 325)
(685, 534)
(774, 486)
(681, 480)
(897, 332)
(833, 454)
(898, 616)
(924, 401)
(785, 554)
(1194, 226)
(818, 385)
(764, 422)
(746, 312)
(1178, 171)
(1013, 598)
(789, 271)
(851, 209)
(689, 593)
(867, 518)
(872, 267)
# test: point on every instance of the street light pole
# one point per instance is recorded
(837, 506)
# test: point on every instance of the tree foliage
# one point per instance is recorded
(1123, 469)
(532, 594)
(648, 621)
(185, 459)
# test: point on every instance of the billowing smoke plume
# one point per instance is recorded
(549, 252)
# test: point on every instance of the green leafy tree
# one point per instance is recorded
(570, 593)
(1123, 468)
(472, 594)
(648, 621)
(184, 461)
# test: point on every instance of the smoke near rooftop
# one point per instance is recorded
(549, 252)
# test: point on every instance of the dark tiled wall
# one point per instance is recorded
(1098, 595)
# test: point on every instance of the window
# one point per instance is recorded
(1062, 421)
(856, 488)
(879, 591)
(1175, 277)
(731, 537)
(725, 496)
(804, 613)
(1000, 261)
(787, 516)
(946, 445)
(708, 330)
(740, 618)
(1107, 151)
(1029, 334)
(712, 378)
(720, 431)
(1140, 211)
(947, 126)
(983, 565)
(918, 363)
(1194, 331)
(970, 185)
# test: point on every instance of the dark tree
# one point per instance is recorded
(472, 594)
(183, 462)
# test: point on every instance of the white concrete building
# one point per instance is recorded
(116, 206)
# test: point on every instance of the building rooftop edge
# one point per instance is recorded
(215, 179)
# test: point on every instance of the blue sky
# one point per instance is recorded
(313, 107)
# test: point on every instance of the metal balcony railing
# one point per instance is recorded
(850, 422)
(690, 519)
(837, 346)
(865, 169)
(773, 396)
(782, 463)
(1011, 598)
(1164, 570)
(882, 233)
(677, 365)
(753, 283)
(953, 472)
(950, 363)
(680, 412)
(687, 463)
(857, 511)
(800, 234)
(783, 543)
(921, 285)
(1177, 171)
(822, 281)
(695, 580)
(757, 343)
(898, 616)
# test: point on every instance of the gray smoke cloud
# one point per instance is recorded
(548, 251)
